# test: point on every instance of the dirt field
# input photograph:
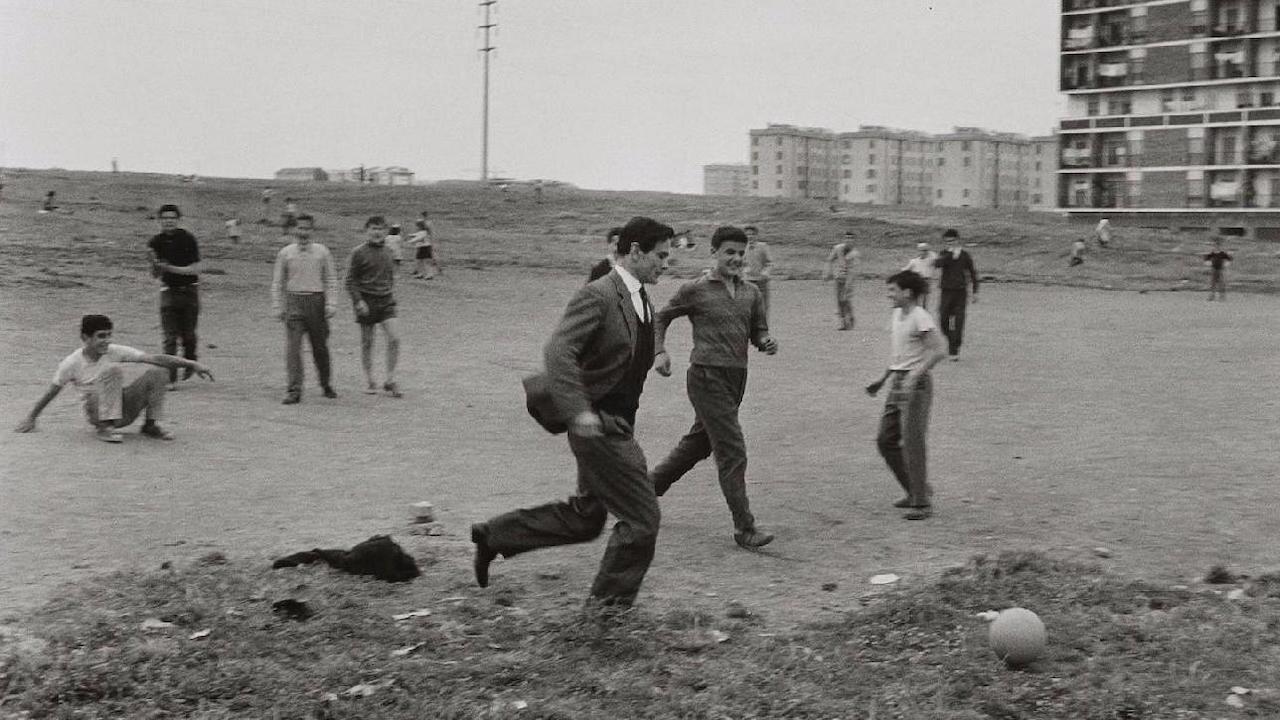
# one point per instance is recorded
(1144, 423)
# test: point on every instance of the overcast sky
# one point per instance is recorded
(617, 94)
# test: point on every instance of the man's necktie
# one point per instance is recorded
(644, 300)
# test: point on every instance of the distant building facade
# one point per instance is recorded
(374, 175)
(968, 167)
(726, 179)
(1173, 113)
(304, 174)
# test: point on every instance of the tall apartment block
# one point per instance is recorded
(1173, 113)
(969, 167)
(726, 179)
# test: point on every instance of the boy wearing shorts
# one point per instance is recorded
(371, 275)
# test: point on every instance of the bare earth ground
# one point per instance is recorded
(1145, 423)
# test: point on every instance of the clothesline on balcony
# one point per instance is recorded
(1236, 56)
(1113, 69)
(1224, 189)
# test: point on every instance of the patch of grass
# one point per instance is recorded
(1117, 649)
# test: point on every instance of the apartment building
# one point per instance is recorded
(969, 167)
(726, 179)
(793, 162)
(1173, 113)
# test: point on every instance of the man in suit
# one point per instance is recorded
(956, 276)
(596, 363)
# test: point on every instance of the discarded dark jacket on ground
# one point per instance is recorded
(379, 556)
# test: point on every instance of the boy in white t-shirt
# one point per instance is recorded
(109, 404)
(423, 253)
(915, 346)
(923, 265)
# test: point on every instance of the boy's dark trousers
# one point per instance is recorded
(716, 393)
(951, 309)
(179, 313)
(901, 439)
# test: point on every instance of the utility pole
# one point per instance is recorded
(486, 49)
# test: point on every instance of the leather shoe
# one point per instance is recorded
(751, 539)
(329, 392)
(918, 513)
(291, 399)
(484, 553)
(903, 503)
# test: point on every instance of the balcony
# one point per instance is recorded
(1231, 29)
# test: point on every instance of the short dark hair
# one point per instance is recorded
(645, 232)
(751, 228)
(169, 207)
(421, 224)
(727, 233)
(304, 216)
(91, 324)
(374, 220)
(614, 233)
(909, 280)
(951, 233)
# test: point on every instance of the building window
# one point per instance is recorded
(939, 193)
(942, 161)
(966, 192)
(871, 173)
(871, 159)
(1038, 163)
(848, 173)
(845, 159)
(779, 184)
(1037, 182)
(846, 188)
(968, 161)
(779, 141)
(778, 155)
(871, 144)
(1092, 108)
(1036, 199)
(755, 184)
(778, 170)
(966, 146)
(846, 144)
(755, 169)
(755, 141)
(755, 156)
(802, 184)
(871, 189)
(1038, 149)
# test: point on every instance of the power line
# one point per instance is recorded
(486, 49)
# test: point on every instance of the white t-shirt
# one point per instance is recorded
(922, 266)
(420, 238)
(396, 246)
(906, 337)
(78, 369)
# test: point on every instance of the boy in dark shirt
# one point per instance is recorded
(1217, 260)
(175, 260)
(727, 313)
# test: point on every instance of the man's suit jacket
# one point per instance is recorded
(587, 355)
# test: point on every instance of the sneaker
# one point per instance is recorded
(152, 430)
(109, 434)
(918, 513)
(329, 393)
(903, 503)
(393, 390)
(291, 399)
(955, 358)
(752, 539)
(371, 389)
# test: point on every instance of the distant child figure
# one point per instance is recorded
(1102, 233)
(423, 253)
(839, 263)
(1217, 260)
(48, 205)
(267, 192)
(923, 265)
(233, 230)
(395, 243)
(1077, 253)
(758, 264)
(290, 212)
(537, 191)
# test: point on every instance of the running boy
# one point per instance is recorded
(726, 312)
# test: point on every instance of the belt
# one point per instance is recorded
(306, 292)
(192, 286)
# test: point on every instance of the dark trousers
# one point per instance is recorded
(179, 313)
(901, 439)
(612, 479)
(716, 393)
(951, 309)
(304, 314)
